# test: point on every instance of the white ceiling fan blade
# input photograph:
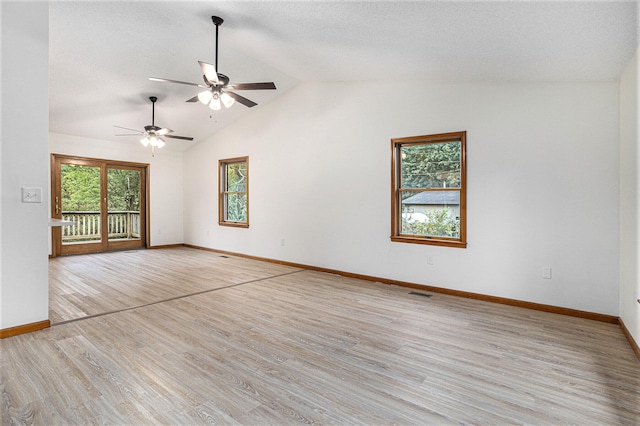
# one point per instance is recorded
(210, 73)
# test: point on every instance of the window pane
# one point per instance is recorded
(234, 192)
(80, 203)
(431, 213)
(123, 217)
(428, 189)
(236, 177)
(236, 207)
(433, 165)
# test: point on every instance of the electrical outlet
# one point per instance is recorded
(31, 194)
(429, 260)
(546, 272)
(282, 242)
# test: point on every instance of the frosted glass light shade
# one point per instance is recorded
(160, 143)
(227, 100)
(205, 97)
(145, 141)
(215, 103)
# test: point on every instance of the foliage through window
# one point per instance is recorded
(80, 188)
(123, 189)
(234, 192)
(429, 189)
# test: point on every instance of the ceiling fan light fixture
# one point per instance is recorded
(205, 96)
(152, 133)
(216, 82)
(227, 100)
(215, 102)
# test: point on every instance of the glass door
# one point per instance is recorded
(79, 203)
(105, 202)
(124, 207)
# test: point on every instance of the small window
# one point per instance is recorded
(428, 189)
(233, 205)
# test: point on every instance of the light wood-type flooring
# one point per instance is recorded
(259, 343)
(81, 286)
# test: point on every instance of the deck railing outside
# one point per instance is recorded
(122, 225)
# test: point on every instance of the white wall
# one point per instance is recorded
(630, 199)
(165, 178)
(542, 185)
(24, 162)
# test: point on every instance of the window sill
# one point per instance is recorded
(234, 224)
(429, 241)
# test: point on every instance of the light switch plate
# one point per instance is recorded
(31, 194)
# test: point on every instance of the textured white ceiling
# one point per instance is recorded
(102, 53)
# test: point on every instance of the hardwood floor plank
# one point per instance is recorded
(266, 344)
(81, 286)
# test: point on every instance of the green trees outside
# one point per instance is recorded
(431, 166)
(124, 190)
(435, 165)
(236, 191)
(439, 222)
(81, 189)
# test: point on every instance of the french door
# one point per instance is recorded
(105, 203)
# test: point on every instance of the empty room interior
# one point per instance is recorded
(269, 212)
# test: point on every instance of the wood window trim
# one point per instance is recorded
(396, 235)
(221, 192)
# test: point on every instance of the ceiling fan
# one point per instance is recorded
(218, 90)
(153, 134)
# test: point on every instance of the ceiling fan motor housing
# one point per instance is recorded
(223, 79)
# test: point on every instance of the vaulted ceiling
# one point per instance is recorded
(102, 53)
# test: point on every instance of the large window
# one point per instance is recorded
(233, 205)
(428, 178)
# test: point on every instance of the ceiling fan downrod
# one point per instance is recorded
(153, 100)
(217, 21)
